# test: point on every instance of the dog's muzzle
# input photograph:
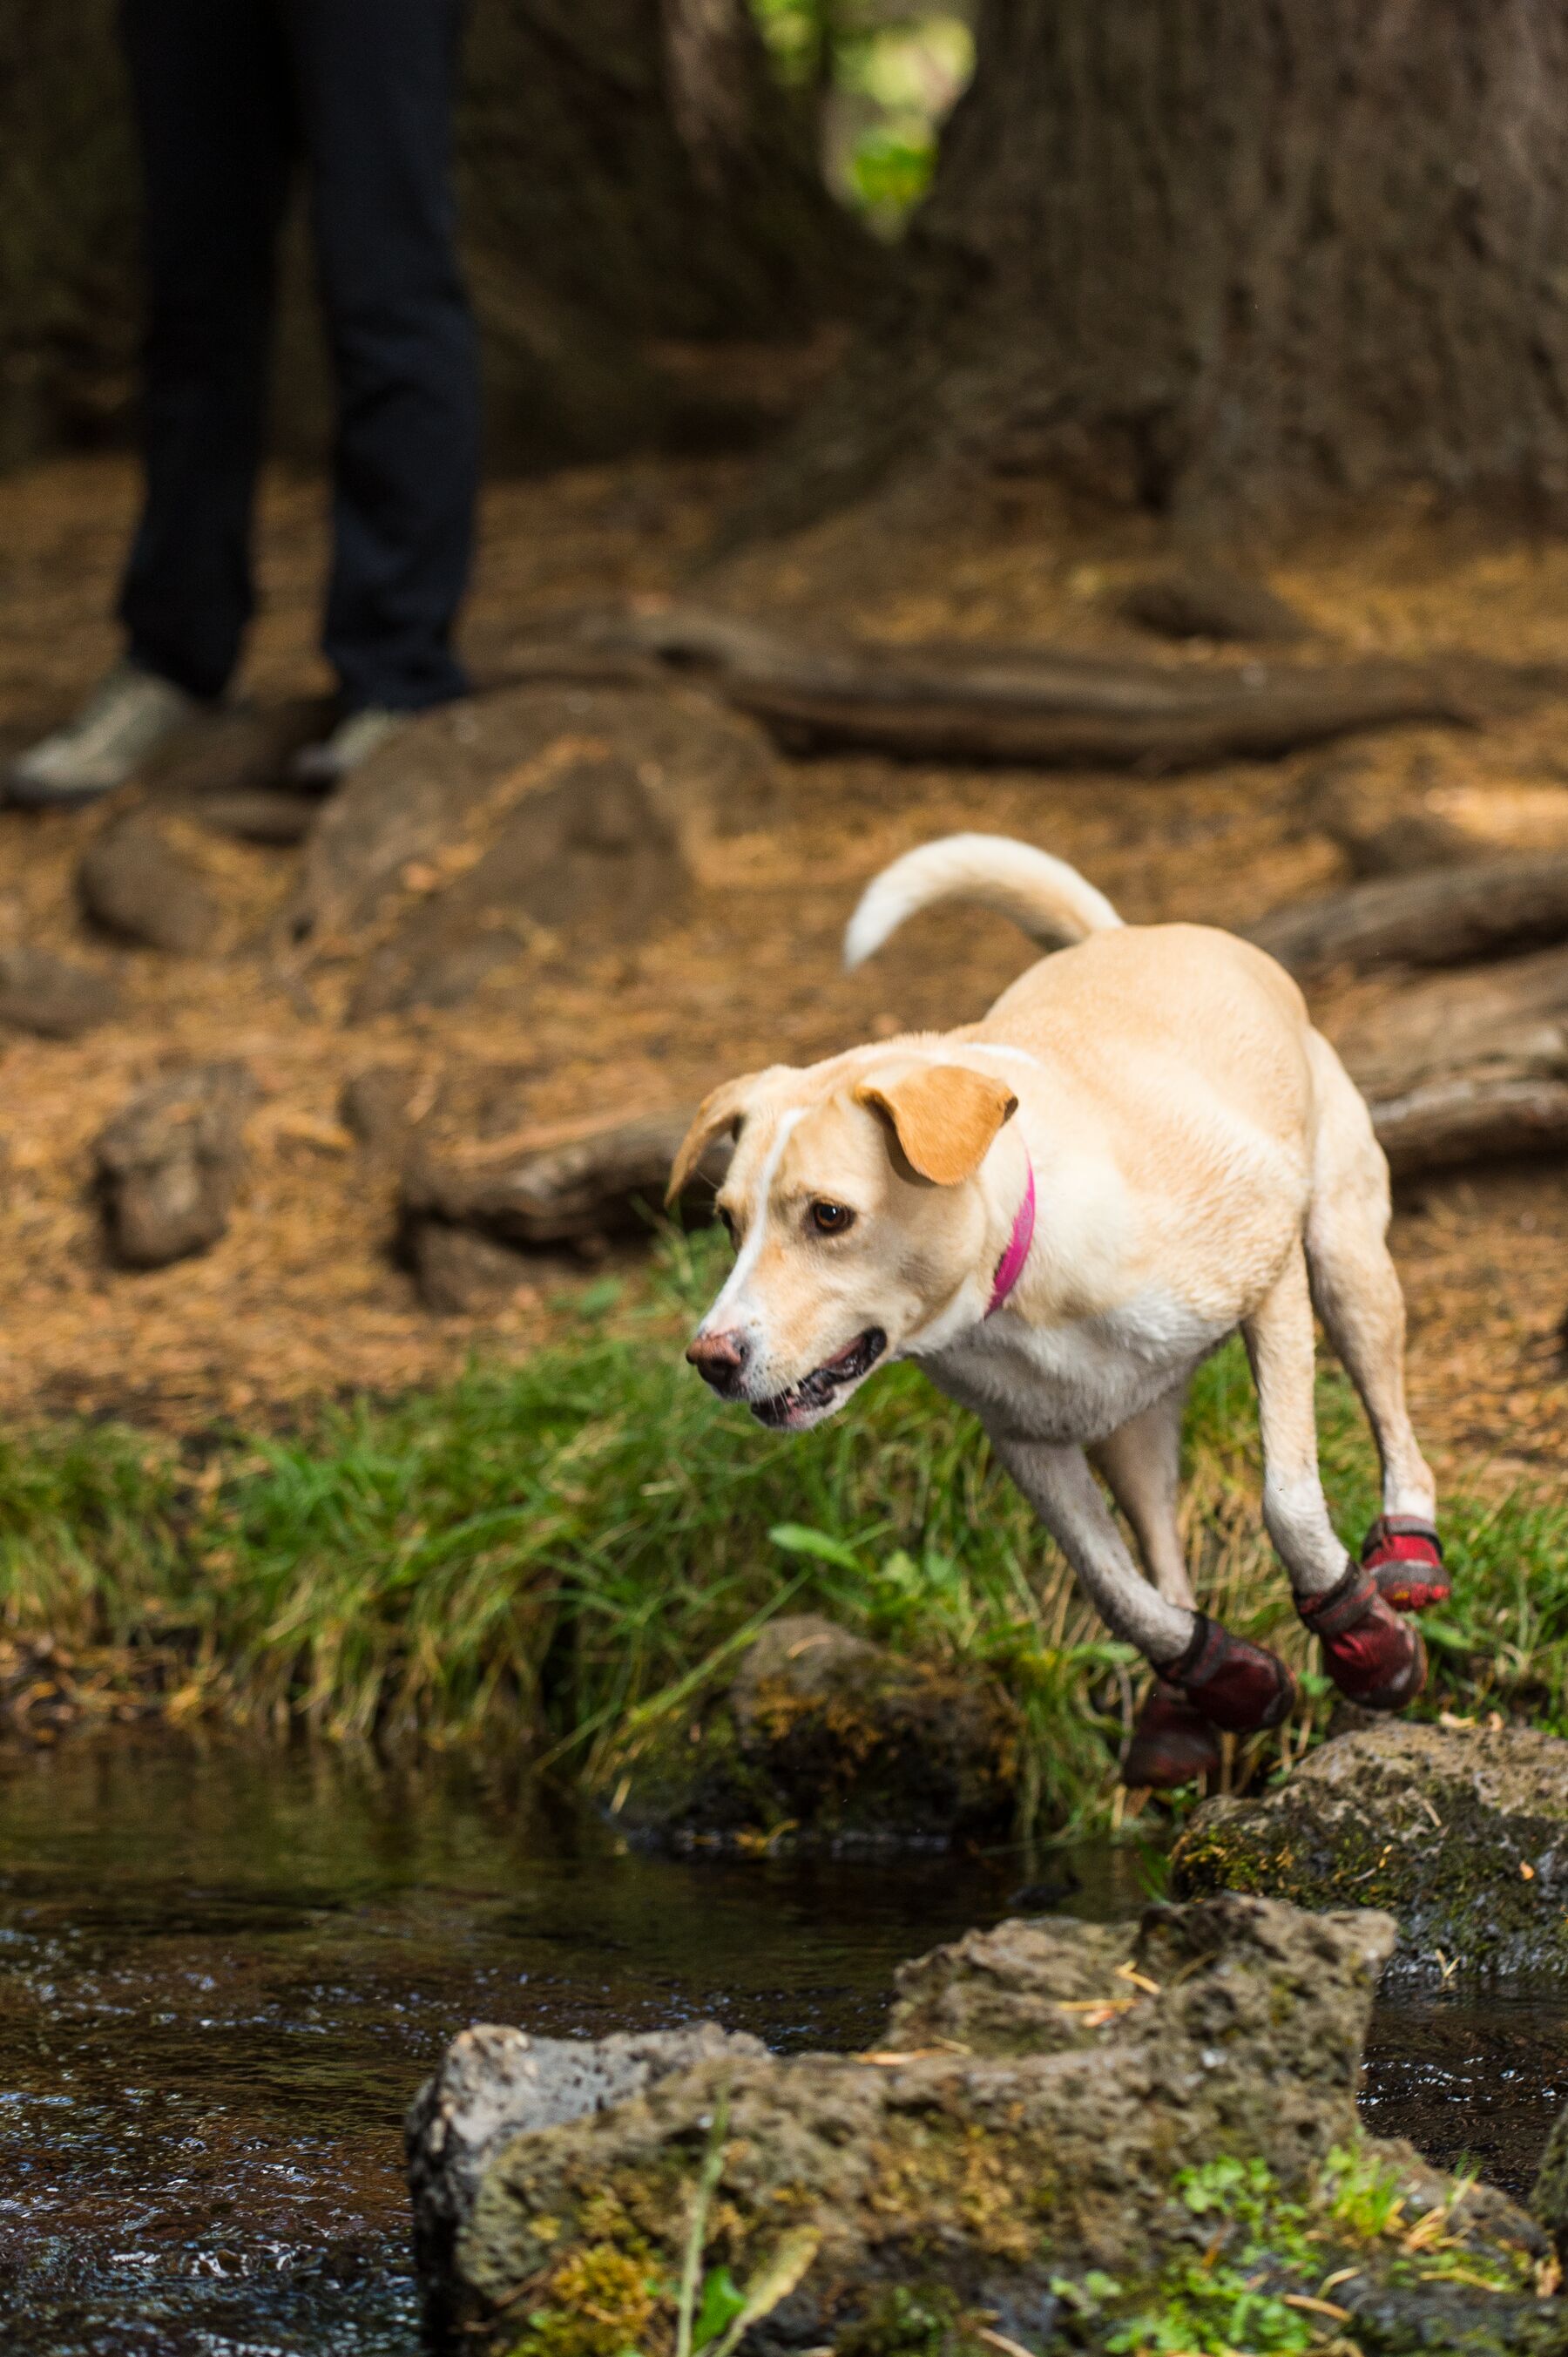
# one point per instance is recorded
(815, 1390)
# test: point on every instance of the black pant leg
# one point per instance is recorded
(376, 81)
(209, 82)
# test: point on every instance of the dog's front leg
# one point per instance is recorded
(1228, 1682)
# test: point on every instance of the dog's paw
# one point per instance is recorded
(1373, 1657)
(1232, 1684)
(1172, 1743)
(1404, 1556)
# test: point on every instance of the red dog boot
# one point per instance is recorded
(1230, 1682)
(1373, 1657)
(1404, 1556)
(1171, 1745)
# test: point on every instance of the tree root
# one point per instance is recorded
(956, 703)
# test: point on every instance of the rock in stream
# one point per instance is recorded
(824, 1740)
(1461, 1832)
(1071, 2137)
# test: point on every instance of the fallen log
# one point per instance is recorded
(962, 703)
(1440, 915)
(1472, 1118)
(603, 1183)
(1468, 1067)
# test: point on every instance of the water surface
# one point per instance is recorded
(224, 1970)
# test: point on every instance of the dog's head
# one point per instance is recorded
(855, 1203)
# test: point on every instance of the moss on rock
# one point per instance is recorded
(1462, 1833)
(1074, 2138)
(823, 1739)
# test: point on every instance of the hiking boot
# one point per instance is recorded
(319, 767)
(129, 716)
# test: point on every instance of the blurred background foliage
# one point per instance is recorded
(882, 77)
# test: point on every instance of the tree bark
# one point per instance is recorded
(1227, 254)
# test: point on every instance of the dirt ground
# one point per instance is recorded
(301, 1297)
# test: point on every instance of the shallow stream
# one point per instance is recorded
(224, 1970)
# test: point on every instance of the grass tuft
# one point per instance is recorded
(551, 1553)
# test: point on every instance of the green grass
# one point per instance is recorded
(559, 1550)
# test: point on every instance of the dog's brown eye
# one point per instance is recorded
(832, 1218)
(726, 1219)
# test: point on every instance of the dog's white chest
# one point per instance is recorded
(1077, 1381)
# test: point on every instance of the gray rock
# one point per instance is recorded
(461, 1274)
(136, 882)
(1210, 602)
(495, 2083)
(824, 1740)
(48, 996)
(591, 851)
(1037, 2141)
(169, 1162)
(538, 806)
(1462, 1833)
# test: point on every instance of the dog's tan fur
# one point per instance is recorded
(1202, 1164)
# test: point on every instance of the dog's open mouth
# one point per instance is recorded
(815, 1392)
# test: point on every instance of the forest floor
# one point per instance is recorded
(302, 1299)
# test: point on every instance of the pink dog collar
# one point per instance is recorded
(1010, 1267)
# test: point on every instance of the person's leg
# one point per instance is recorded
(211, 89)
(376, 82)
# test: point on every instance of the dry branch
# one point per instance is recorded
(968, 704)
(1442, 916)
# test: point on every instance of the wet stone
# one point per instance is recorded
(824, 1740)
(1460, 1832)
(1029, 2172)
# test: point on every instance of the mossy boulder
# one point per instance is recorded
(824, 1740)
(1072, 2139)
(1460, 1832)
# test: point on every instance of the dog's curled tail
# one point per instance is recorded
(1052, 900)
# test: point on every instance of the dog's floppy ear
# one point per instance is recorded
(945, 1116)
(721, 1109)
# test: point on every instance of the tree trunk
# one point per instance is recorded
(642, 208)
(1222, 254)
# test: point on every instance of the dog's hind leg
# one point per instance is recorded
(1231, 1683)
(1172, 1742)
(1357, 1293)
(1372, 1656)
(1140, 1461)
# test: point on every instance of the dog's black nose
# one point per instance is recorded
(719, 1358)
